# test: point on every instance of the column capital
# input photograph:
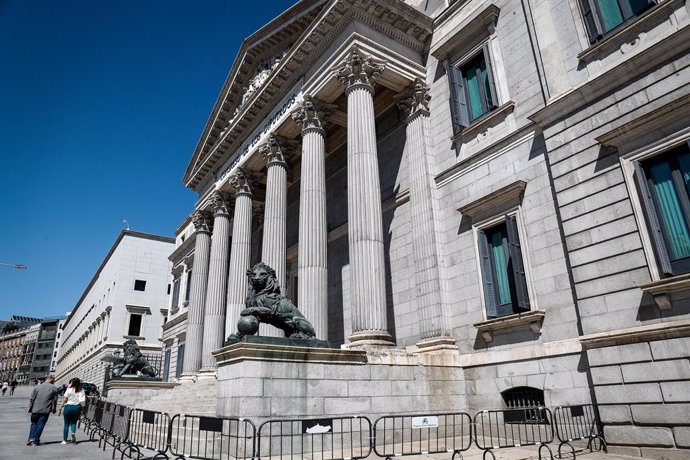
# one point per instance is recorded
(243, 181)
(201, 221)
(221, 205)
(414, 100)
(359, 71)
(312, 114)
(276, 150)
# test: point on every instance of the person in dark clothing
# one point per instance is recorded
(13, 386)
(42, 402)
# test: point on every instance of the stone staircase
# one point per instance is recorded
(192, 398)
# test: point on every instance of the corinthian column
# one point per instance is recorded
(434, 317)
(240, 253)
(312, 271)
(197, 296)
(364, 215)
(273, 248)
(214, 311)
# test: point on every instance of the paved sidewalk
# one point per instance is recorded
(14, 431)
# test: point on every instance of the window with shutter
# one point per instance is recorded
(603, 16)
(472, 89)
(502, 270)
(664, 189)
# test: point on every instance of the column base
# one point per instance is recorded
(436, 344)
(371, 339)
(207, 373)
(187, 377)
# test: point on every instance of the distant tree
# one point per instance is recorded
(9, 327)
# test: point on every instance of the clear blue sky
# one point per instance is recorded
(101, 106)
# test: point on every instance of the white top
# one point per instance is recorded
(74, 398)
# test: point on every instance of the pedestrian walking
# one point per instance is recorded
(74, 398)
(5, 385)
(13, 386)
(42, 402)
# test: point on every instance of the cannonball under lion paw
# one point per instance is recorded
(248, 325)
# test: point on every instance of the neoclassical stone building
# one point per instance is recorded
(127, 298)
(500, 183)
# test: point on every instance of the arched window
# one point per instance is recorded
(524, 404)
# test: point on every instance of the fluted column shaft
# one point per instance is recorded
(434, 317)
(274, 245)
(312, 268)
(214, 311)
(197, 297)
(358, 74)
(240, 253)
(364, 215)
(433, 323)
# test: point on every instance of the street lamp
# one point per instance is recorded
(17, 266)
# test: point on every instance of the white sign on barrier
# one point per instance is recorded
(425, 422)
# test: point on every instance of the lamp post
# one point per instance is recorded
(17, 266)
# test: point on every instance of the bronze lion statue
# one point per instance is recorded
(133, 362)
(265, 304)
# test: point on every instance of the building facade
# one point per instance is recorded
(505, 181)
(29, 345)
(16, 351)
(127, 298)
(45, 355)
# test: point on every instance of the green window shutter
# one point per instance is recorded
(595, 30)
(487, 275)
(458, 101)
(653, 220)
(490, 76)
(516, 263)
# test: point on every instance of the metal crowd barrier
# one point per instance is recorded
(219, 438)
(147, 430)
(497, 429)
(422, 434)
(118, 431)
(88, 416)
(323, 439)
(106, 423)
(211, 438)
(578, 423)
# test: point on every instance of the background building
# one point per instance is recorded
(16, 350)
(47, 345)
(30, 341)
(126, 299)
(501, 182)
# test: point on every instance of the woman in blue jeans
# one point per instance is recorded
(71, 406)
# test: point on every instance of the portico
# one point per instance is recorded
(276, 148)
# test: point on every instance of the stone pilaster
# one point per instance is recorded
(197, 296)
(434, 317)
(214, 310)
(312, 271)
(365, 227)
(241, 250)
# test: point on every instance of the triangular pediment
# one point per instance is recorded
(274, 58)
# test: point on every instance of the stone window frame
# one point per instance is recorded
(509, 200)
(136, 310)
(625, 35)
(473, 35)
(515, 211)
(661, 285)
